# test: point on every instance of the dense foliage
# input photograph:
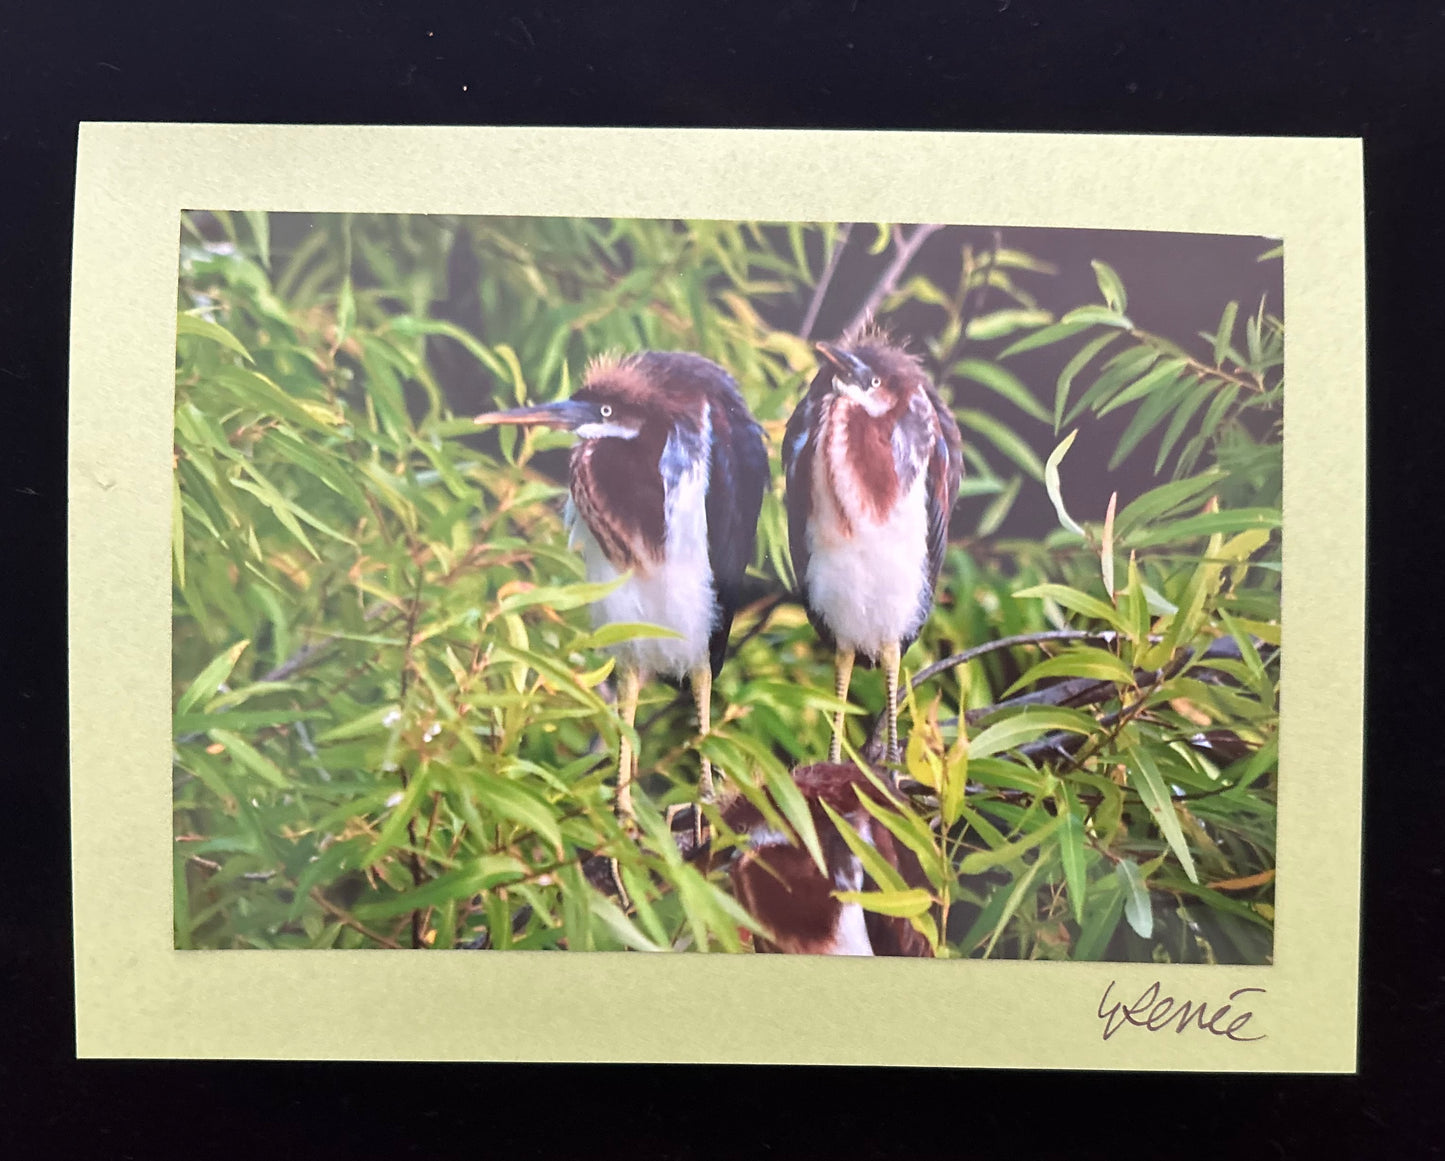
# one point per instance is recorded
(393, 718)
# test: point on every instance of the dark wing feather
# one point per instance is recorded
(737, 477)
(945, 474)
(800, 443)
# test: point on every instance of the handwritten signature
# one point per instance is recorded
(1156, 1013)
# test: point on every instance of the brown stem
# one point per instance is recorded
(805, 328)
(905, 249)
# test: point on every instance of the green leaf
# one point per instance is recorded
(979, 861)
(902, 904)
(1145, 777)
(1148, 417)
(512, 801)
(620, 631)
(1003, 438)
(1137, 908)
(1003, 382)
(1028, 723)
(189, 324)
(561, 597)
(1071, 855)
(1206, 524)
(345, 313)
(1160, 373)
(1106, 907)
(245, 754)
(1072, 368)
(617, 922)
(877, 869)
(1003, 322)
(373, 721)
(1079, 602)
(1165, 499)
(1053, 486)
(1098, 314)
(1224, 335)
(1193, 401)
(208, 682)
(998, 509)
(1083, 661)
(1110, 286)
(1043, 338)
(260, 224)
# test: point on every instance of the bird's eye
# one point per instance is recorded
(877, 383)
(605, 410)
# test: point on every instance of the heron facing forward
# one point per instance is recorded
(873, 460)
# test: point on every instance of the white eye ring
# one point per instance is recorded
(605, 410)
(877, 383)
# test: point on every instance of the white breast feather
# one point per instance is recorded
(871, 587)
(676, 593)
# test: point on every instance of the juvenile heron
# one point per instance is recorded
(873, 462)
(780, 885)
(667, 480)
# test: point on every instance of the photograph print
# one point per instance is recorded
(796, 587)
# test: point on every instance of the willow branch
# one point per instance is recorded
(888, 280)
(805, 328)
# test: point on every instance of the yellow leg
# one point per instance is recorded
(629, 685)
(702, 695)
(891, 659)
(843, 675)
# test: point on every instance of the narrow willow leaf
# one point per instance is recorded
(1072, 368)
(1001, 322)
(1003, 438)
(1148, 417)
(1165, 499)
(1071, 854)
(1120, 371)
(560, 597)
(616, 921)
(1078, 602)
(1110, 286)
(1106, 552)
(1043, 338)
(998, 509)
(978, 861)
(619, 631)
(877, 869)
(1224, 334)
(1029, 723)
(189, 324)
(1137, 909)
(903, 904)
(1194, 527)
(207, 683)
(1156, 378)
(514, 802)
(246, 755)
(1194, 399)
(1085, 661)
(1098, 314)
(1002, 382)
(1053, 486)
(1145, 777)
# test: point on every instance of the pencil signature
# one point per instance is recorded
(1155, 1013)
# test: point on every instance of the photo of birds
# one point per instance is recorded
(666, 484)
(617, 584)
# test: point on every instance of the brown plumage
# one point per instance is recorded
(779, 884)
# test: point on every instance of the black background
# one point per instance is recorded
(1315, 68)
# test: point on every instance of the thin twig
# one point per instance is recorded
(905, 249)
(351, 921)
(805, 328)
